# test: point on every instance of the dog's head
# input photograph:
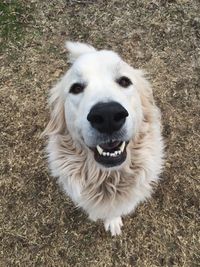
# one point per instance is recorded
(101, 102)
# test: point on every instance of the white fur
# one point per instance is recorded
(70, 135)
(114, 225)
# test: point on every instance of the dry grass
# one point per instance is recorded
(39, 226)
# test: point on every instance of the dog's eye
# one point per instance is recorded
(124, 81)
(77, 88)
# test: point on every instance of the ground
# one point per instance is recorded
(39, 225)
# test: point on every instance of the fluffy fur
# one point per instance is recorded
(104, 193)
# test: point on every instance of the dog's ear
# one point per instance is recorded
(144, 86)
(57, 122)
(77, 49)
(150, 110)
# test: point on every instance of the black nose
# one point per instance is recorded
(107, 117)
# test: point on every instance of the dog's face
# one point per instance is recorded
(102, 103)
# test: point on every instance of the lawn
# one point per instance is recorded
(39, 225)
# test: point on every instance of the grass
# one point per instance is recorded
(15, 17)
(39, 225)
(10, 19)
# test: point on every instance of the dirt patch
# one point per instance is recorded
(39, 225)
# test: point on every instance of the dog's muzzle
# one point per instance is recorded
(108, 119)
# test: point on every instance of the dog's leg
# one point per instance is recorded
(113, 225)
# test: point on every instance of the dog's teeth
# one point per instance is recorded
(100, 150)
(108, 154)
(122, 147)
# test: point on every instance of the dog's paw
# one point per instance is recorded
(113, 225)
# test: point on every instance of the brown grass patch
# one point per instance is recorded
(39, 226)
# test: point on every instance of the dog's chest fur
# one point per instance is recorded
(101, 192)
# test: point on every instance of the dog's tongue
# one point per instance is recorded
(110, 145)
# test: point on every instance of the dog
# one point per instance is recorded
(104, 135)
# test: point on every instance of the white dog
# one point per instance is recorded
(105, 144)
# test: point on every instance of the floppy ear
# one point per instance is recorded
(77, 49)
(57, 122)
(144, 86)
(146, 94)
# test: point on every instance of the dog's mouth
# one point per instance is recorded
(110, 154)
